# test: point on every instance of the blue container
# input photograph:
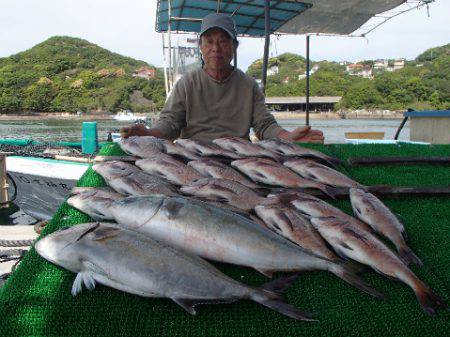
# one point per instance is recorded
(89, 137)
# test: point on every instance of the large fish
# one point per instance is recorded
(349, 240)
(134, 263)
(177, 150)
(129, 179)
(206, 149)
(113, 169)
(169, 168)
(244, 147)
(290, 224)
(221, 235)
(142, 146)
(215, 169)
(268, 172)
(286, 148)
(317, 172)
(372, 211)
(94, 201)
(223, 190)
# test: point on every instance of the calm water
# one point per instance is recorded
(70, 130)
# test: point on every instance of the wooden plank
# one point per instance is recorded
(398, 160)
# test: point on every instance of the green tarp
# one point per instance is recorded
(36, 300)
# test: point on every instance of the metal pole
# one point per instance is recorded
(3, 183)
(307, 79)
(266, 43)
(169, 29)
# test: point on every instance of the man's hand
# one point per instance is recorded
(139, 130)
(302, 134)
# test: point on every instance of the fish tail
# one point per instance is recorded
(407, 256)
(330, 191)
(270, 294)
(354, 280)
(429, 301)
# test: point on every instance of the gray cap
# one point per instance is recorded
(219, 20)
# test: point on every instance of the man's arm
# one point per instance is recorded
(265, 125)
(171, 119)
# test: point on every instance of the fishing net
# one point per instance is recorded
(36, 300)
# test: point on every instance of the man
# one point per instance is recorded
(218, 100)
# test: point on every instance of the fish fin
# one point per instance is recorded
(265, 272)
(405, 237)
(354, 280)
(407, 256)
(330, 191)
(105, 233)
(189, 304)
(279, 285)
(82, 278)
(89, 230)
(77, 285)
(185, 304)
(355, 266)
(429, 301)
(270, 296)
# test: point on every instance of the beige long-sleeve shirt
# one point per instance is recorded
(202, 108)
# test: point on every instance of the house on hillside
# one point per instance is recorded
(145, 72)
(399, 64)
(380, 65)
(358, 69)
(273, 70)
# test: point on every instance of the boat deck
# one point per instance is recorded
(36, 299)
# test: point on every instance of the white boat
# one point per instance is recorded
(127, 115)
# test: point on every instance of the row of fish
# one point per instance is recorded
(307, 225)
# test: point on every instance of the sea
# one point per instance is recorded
(56, 130)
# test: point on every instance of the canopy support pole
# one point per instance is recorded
(266, 43)
(307, 79)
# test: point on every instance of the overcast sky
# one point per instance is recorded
(127, 28)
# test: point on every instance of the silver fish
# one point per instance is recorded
(268, 172)
(289, 149)
(293, 226)
(169, 168)
(223, 190)
(206, 149)
(372, 211)
(351, 241)
(114, 169)
(177, 150)
(130, 262)
(317, 172)
(244, 148)
(215, 169)
(94, 201)
(142, 146)
(129, 179)
(217, 234)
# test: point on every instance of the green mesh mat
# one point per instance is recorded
(36, 300)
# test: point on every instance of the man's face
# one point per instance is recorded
(217, 49)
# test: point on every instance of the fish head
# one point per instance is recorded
(356, 193)
(195, 186)
(114, 169)
(136, 211)
(60, 246)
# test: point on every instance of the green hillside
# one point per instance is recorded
(423, 83)
(71, 74)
